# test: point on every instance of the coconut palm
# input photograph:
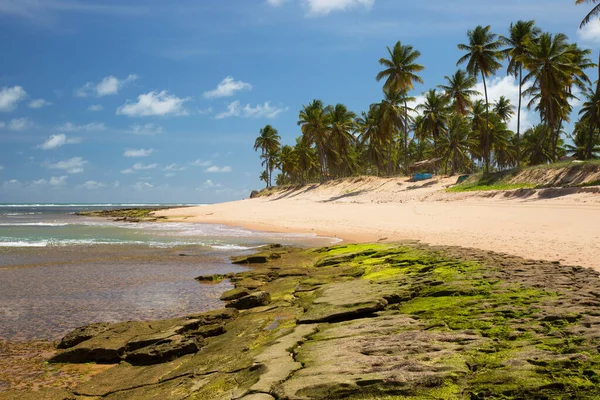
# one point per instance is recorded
(288, 161)
(537, 145)
(519, 39)
(371, 138)
(268, 142)
(590, 117)
(434, 110)
(391, 118)
(581, 148)
(341, 124)
(454, 147)
(400, 75)
(595, 12)
(307, 158)
(483, 57)
(313, 124)
(460, 90)
(504, 109)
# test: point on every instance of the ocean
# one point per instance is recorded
(59, 271)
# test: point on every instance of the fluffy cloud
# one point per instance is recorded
(39, 103)
(142, 185)
(92, 185)
(141, 167)
(72, 165)
(591, 32)
(11, 97)
(205, 111)
(128, 171)
(138, 152)
(96, 107)
(59, 140)
(324, 7)
(1, 167)
(20, 124)
(146, 129)
(107, 86)
(215, 169)
(154, 103)
(91, 127)
(211, 184)
(58, 181)
(235, 109)
(227, 88)
(275, 3)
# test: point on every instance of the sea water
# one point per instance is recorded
(59, 270)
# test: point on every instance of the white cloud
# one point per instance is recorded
(508, 87)
(138, 152)
(215, 169)
(235, 109)
(107, 86)
(170, 175)
(1, 167)
(20, 124)
(91, 127)
(2, 125)
(128, 171)
(200, 163)
(141, 167)
(96, 107)
(227, 88)
(205, 111)
(72, 165)
(11, 97)
(210, 184)
(591, 32)
(59, 140)
(275, 3)
(142, 185)
(39, 103)
(154, 103)
(92, 185)
(58, 181)
(146, 129)
(174, 167)
(39, 182)
(324, 7)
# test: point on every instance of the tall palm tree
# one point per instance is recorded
(520, 36)
(341, 124)
(371, 137)
(307, 159)
(483, 57)
(400, 75)
(553, 71)
(455, 146)
(504, 109)
(583, 148)
(594, 13)
(590, 116)
(434, 110)
(391, 118)
(268, 142)
(460, 90)
(313, 124)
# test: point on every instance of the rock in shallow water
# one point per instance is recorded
(257, 299)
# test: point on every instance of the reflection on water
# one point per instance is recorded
(46, 295)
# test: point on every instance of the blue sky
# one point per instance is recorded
(160, 101)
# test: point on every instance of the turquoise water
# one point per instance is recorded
(59, 271)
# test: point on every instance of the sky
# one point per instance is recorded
(161, 101)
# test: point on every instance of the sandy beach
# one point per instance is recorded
(548, 225)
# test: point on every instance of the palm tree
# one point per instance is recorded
(594, 13)
(435, 115)
(483, 56)
(371, 137)
(582, 149)
(460, 90)
(553, 71)
(519, 39)
(268, 142)
(341, 124)
(400, 75)
(313, 124)
(590, 116)
(537, 145)
(504, 109)
(288, 160)
(455, 146)
(307, 159)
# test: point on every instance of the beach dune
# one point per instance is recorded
(536, 225)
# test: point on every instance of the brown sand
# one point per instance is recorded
(556, 225)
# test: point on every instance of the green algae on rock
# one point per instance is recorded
(373, 321)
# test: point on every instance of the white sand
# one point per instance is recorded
(565, 228)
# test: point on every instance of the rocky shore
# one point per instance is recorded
(369, 321)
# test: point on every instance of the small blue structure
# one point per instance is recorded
(421, 177)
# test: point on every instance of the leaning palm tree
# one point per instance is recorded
(268, 142)
(519, 39)
(592, 14)
(483, 57)
(400, 75)
(460, 90)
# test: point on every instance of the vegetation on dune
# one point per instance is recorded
(453, 122)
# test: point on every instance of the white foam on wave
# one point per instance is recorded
(228, 247)
(24, 244)
(34, 224)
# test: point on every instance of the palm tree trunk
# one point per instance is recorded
(589, 148)
(405, 134)
(519, 117)
(390, 152)
(486, 140)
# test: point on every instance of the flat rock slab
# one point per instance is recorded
(344, 300)
(166, 350)
(257, 299)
